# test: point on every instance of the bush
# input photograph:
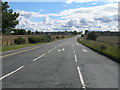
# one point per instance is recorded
(34, 39)
(37, 39)
(20, 40)
(82, 35)
(57, 37)
(92, 36)
(63, 37)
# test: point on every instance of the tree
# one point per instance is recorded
(75, 32)
(86, 31)
(9, 18)
(92, 36)
(22, 32)
(29, 32)
(36, 32)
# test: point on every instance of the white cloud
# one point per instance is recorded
(86, 1)
(102, 17)
(34, 14)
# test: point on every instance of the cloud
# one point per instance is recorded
(103, 17)
(90, 12)
(87, 1)
(34, 14)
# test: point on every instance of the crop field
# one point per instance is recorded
(109, 39)
(9, 39)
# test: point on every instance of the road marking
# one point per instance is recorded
(63, 49)
(77, 43)
(73, 48)
(81, 78)
(75, 58)
(50, 50)
(84, 50)
(21, 51)
(39, 57)
(59, 50)
(11, 73)
(55, 47)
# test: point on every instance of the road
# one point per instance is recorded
(60, 64)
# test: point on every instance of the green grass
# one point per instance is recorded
(109, 50)
(13, 47)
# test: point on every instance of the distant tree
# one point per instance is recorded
(36, 32)
(9, 18)
(75, 32)
(29, 32)
(22, 32)
(86, 31)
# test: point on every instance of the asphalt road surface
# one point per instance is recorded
(60, 64)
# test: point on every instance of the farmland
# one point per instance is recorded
(9, 39)
(109, 39)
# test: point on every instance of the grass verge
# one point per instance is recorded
(111, 51)
(13, 47)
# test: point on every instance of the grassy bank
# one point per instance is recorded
(13, 47)
(109, 50)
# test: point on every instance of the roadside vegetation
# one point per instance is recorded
(109, 50)
(13, 47)
(31, 41)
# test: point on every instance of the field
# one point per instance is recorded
(109, 39)
(9, 39)
(110, 50)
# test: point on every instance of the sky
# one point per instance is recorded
(68, 15)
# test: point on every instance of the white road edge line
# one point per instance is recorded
(50, 50)
(75, 58)
(39, 57)
(81, 78)
(12, 72)
(18, 52)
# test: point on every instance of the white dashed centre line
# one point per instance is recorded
(81, 78)
(59, 50)
(39, 57)
(63, 49)
(12, 72)
(75, 58)
(55, 47)
(50, 50)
